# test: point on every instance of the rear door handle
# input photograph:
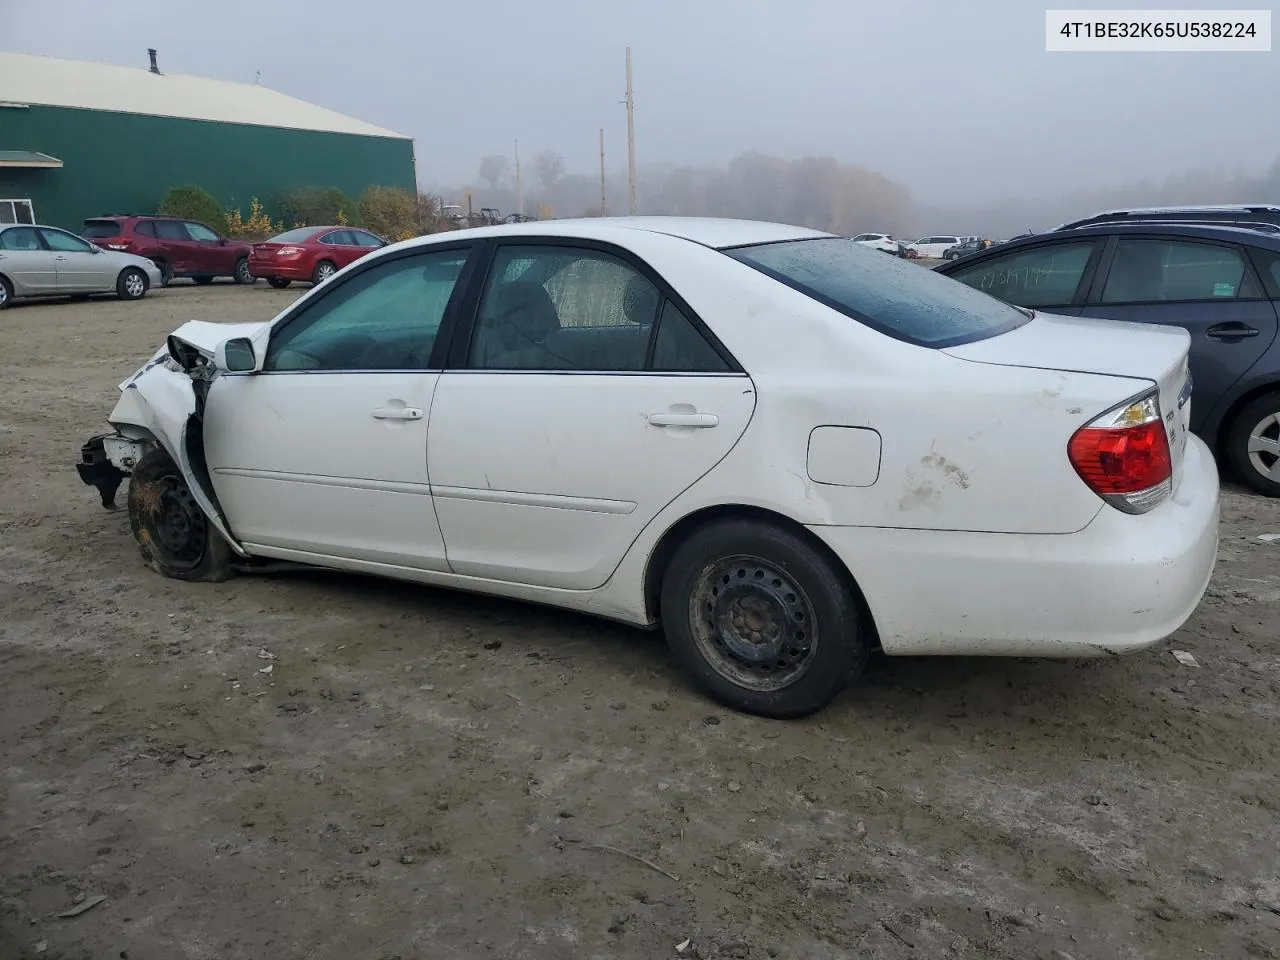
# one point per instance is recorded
(397, 413)
(683, 419)
(60, 258)
(1235, 330)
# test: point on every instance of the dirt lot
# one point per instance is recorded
(430, 775)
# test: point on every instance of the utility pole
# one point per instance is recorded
(631, 140)
(604, 204)
(519, 183)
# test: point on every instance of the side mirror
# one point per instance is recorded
(235, 356)
(222, 241)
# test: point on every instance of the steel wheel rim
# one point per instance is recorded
(134, 286)
(753, 623)
(1264, 447)
(176, 524)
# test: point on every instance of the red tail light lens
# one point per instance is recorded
(1124, 456)
(290, 252)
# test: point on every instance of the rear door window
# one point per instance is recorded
(888, 294)
(1151, 270)
(20, 238)
(170, 230)
(1038, 277)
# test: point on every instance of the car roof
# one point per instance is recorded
(1203, 231)
(718, 233)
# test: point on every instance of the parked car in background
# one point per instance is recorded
(1228, 214)
(1222, 284)
(39, 261)
(180, 248)
(932, 248)
(880, 241)
(964, 248)
(582, 413)
(313, 254)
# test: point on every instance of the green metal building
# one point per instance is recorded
(82, 139)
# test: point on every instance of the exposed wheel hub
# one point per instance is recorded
(753, 622)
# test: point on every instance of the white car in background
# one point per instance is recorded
(39, 261)
(781, 448)
(932, 248)
(878, 241)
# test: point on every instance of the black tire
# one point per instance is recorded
(166, 272)
(173, 534)
(242, 274)
(323, 271)
(6, 292)
(204, 279)
(733, 576)
(279, 282)
(1257, 425)
(131, 284)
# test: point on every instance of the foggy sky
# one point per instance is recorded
(955, 99)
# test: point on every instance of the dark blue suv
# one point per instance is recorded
(1221, 283)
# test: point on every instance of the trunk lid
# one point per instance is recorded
(1114, 348)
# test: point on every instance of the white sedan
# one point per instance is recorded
(878, 241)
(39, 261)
(782, 448)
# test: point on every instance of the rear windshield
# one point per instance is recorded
(889, 294)
(293, 236)
(100, 228)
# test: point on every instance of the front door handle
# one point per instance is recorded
(683, 419)
(1235, 330)
(397, 413)
(60, 258)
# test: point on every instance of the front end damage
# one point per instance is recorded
(161, 406)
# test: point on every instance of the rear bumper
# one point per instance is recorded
(289, 269)
(1121, 584)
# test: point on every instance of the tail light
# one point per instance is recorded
(1124, 455)
(290, 252)
(117, 244)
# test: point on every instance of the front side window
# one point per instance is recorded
(562, 308)
(1154, 270)
(65, 242)
(383, 318)
(363, 239)
(888, 294)
(201, 233)
(20, 238)
(1040, 277)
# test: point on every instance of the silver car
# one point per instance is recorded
(37, 261)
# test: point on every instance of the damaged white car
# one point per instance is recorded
(784, 449)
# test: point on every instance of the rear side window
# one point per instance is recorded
(100, 228)
(1038, 277)
(1267, 263)
(1146, 271)
(888, 294)
(170, 230)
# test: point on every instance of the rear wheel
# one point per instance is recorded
(131, 284)
(1253, 444)
(172, 532)
(242, 274)
(204, 279)
(761, 620)
(324, 270)
(279, 282)
(6, 292)
(166, 271)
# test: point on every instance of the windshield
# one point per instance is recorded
(293, 236)
(889, 294)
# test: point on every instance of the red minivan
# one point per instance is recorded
(310, 253)
(180, 248)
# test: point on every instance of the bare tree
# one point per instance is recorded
(492, 169)
(549, 166)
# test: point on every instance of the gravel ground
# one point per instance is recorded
(327, 766)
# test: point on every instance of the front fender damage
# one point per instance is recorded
(164, 403)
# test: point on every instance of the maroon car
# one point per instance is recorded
(180, 248)
(312, 254)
